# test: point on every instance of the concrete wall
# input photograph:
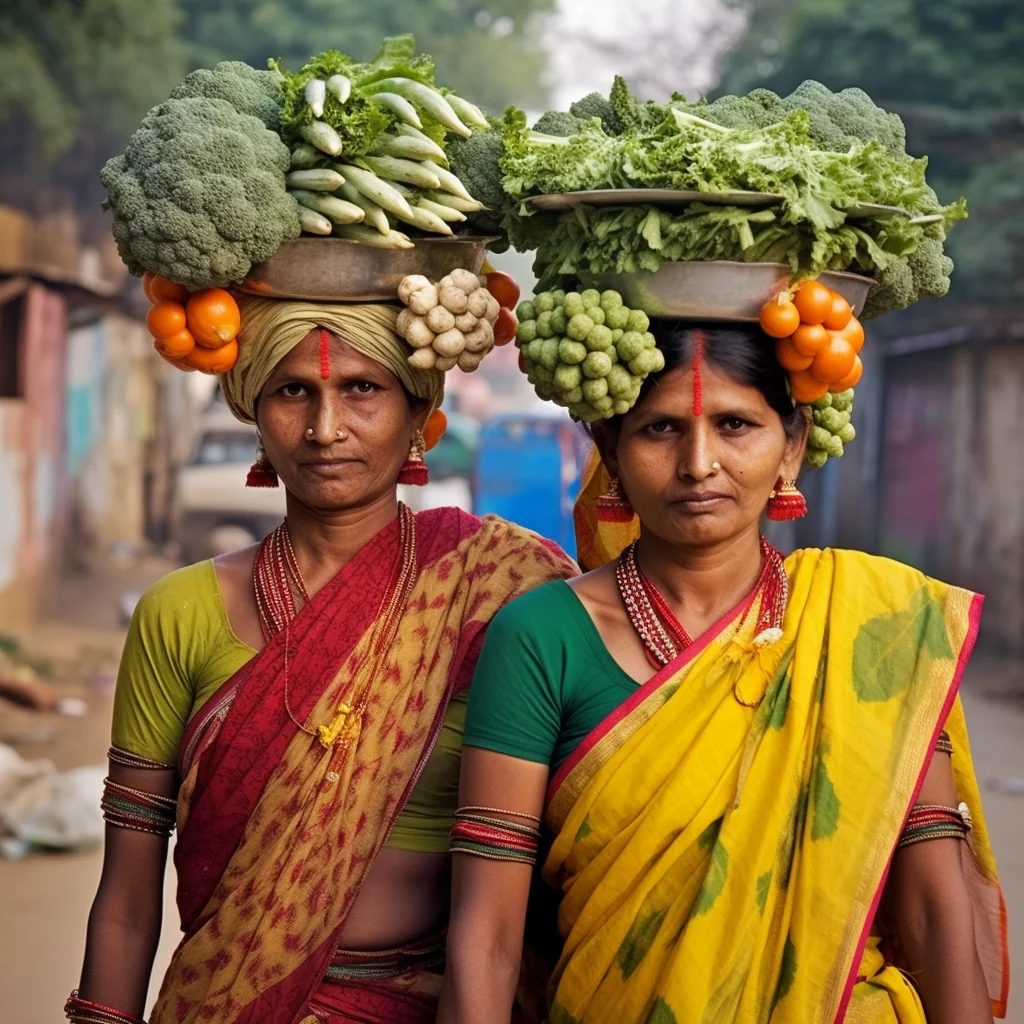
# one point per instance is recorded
(32, 493)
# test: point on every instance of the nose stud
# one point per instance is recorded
(309, 432)
(716, 466)
(340, 434)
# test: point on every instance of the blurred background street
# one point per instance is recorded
(115, 468)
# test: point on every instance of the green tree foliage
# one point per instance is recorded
(951, 70)
(490, 54)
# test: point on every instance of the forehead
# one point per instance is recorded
(342, 358)
(673, 394)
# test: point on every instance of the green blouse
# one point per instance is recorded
(544, 679)
(180, 650)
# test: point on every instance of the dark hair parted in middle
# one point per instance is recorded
(745, 353)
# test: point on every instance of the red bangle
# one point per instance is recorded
(77, 1009)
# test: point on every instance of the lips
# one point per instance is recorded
(324, 466)
(703, 502)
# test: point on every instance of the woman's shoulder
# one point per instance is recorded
(536, 613)
(179, 592)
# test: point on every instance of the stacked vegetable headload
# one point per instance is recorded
(822, 154)
(238, 161)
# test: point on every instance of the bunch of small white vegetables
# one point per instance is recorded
(450, 323)
(367, 144)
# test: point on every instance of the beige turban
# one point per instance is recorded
(271, 328)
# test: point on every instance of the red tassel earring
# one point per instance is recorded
(415, 472)
(261, 472)
(786, 503)
(613, 506)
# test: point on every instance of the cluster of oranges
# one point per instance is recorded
(192, 330)
(819, 340)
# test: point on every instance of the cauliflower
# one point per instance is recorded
(249, 91)
(198, 195)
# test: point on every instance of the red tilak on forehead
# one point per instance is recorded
(698, 384)
(325, 355)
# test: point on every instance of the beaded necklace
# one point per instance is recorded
(660, 630)
(277, 580)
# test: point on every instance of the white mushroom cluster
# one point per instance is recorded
(450, 323)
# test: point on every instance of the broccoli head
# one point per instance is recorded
(924, 274)
(595, 105)
(249, 91)
(475, 162)
(757, 109)
(198, 195)
(558, 122)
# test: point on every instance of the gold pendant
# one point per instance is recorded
(329, 734)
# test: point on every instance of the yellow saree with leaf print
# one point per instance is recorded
(724, 863)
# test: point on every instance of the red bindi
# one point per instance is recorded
(698, 384)
(325, 354)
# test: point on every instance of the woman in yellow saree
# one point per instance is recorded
(754, 775)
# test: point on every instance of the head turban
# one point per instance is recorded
(271, 328)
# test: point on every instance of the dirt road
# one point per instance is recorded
(44, 901)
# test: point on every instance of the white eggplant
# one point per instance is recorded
(323, 136)
(334, 209)
(316, 93)
(382, 193)
(420, 174)
(339, 87)
(399, 105)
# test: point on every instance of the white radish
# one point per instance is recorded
(423, 96)
(468, 112)
(450, 183)
(427, 221)
(305, 156)
(368, 236)
(393, 169)
(455, 202)
(316, 93)
(313, 223)
(408, 148)
(339, 87)
(398, 105)
(446, 213)
(375, 215)
(336, 210)
(374, 188)
(323, 136)
(321, 179)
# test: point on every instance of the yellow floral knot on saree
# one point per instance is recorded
(724, 864)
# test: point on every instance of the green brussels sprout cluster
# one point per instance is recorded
(831, 429)
(586, 351)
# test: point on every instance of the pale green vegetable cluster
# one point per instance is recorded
(831, 429)
(586, 351)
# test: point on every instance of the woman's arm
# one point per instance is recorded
(124, 924)
(934, 918)
(485, 938)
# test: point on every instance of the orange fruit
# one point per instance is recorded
(806, 389)
(779, 320)
(840, 314)
(177, 345)
(165, 318)
(435, 428)
(835, 361)
(147, 284)
(213, 317)
(789, 358)
(851, 380)
(161, 288)
(178, 364)
(853, 332)
(213, 360)
(809, 339)
(813, 302)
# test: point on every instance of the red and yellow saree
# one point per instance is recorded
(725, 863)
(277, 833)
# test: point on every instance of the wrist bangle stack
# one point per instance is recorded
(84, 1011)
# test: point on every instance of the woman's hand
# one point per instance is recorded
(934, 918)
(124, 924)
(485, 938)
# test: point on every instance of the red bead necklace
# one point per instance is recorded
(660, 630)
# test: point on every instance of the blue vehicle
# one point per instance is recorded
(528, 470)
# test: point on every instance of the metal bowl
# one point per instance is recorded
(718, 289)
(337, 270)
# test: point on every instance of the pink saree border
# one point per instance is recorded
(966, 649)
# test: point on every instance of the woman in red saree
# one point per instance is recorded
(298, 708)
